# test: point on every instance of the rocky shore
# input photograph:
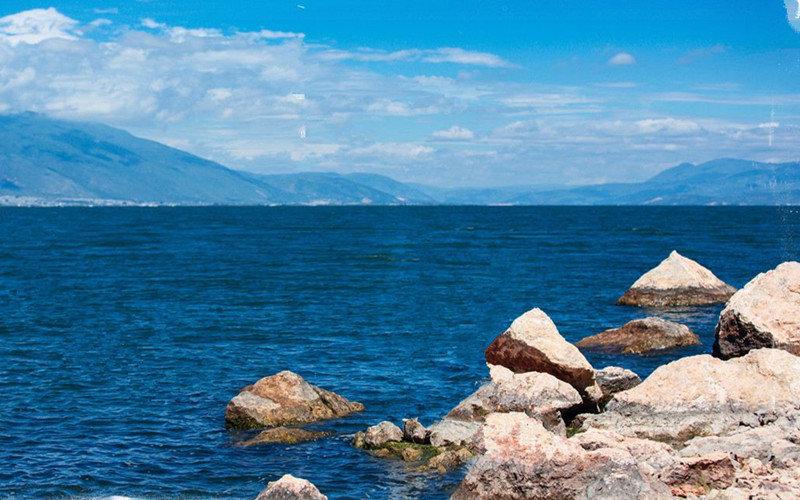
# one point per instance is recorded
(548, 425)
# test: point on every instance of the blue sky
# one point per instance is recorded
(468, 93)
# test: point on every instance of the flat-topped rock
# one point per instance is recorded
(534, 393)
(290, 488)
(532, 344)
(523, 460)
(284, 435)
(705, 396)
(641, 336)
(677, 281)
(765, 313)
(285, 399)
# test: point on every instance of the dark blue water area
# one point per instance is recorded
(124, 332)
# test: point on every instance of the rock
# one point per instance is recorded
(415, 432)
(291, 488)
(705, 396)
(523, 461)
(286, 435)
(770, 442)
(535, 393)
(450, 432)
(533, 344)
(641, 336)
(613, 379)
(285, 399)
(651, 456)
(699, 475)
(677, 281)
(450, 459)
(378, 435)
(765, 313)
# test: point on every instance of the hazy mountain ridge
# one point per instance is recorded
(53, 162)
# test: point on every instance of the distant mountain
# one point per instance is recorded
(718, 182)
(47, 161)
(52, 162)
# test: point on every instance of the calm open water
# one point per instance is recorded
(125, 331)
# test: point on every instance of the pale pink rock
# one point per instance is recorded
(765, 313)
(290, 488)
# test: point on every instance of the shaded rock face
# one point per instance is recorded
(677, 281)
(704, 396)
(523, 460)
(535, 393)
(532, 344)
(765, 313)
(285, 399)
(641, 336)
(285, 435)
(613, 379)
(291, 488)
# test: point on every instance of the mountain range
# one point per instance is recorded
(44, 161)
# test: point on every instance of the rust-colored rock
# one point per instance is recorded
(641, 336)
(285, 435)
(698, 475)
(532, 344)
(765, 313)
(285, 399)
(677, 281)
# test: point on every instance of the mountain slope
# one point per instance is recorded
(59, 160)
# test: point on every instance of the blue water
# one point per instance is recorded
(125, 331)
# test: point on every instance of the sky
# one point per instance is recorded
(449, 93)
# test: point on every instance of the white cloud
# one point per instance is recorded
(454, 133)
(35, 26)
(670, 126)
(436, 56)
(461, 56)
(622, 59)
(392, 149)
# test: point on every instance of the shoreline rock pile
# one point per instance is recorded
(548, 425)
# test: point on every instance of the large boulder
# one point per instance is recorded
(523, 460)
(765, 313)
(705, 396)
(535, 393)
(449, 432)
(385, 432)
(677, 281)
(532, 344)
(613, 379)
(290, 488)
(641, 336)
(285, 399)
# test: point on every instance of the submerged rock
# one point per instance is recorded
(290, 488)
(285, 435)
(705, 396)
(641, 336)
(535, 393)
(523, 460)
(765, 313)
(613, 379)
(532, 344)
(677, 281)
(285, 399)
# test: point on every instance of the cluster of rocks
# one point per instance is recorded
(548, 425)
(699, 427)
